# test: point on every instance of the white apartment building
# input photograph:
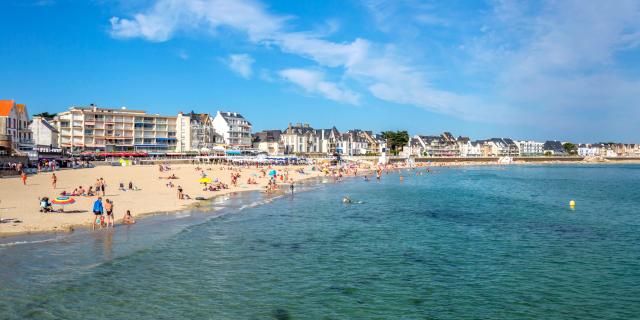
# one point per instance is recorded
(234, 129)
(196, 133)
(102, 129)
(44, 133)
(14, 127)
(530, 148)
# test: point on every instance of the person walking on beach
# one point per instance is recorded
(180, 194)
(108, 208)
(23, 176)
(97, 213)
(54, 180)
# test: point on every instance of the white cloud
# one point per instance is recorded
(375, 66)
(314, 82)
(532, 61)
(241, 64)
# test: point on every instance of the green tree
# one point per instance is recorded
(396, 140)
(570, 148)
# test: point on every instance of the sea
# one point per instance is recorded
(486, 242)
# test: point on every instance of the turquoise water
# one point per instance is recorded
(459, 243)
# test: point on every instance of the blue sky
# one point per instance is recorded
(523, 69)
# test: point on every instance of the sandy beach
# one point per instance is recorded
(20, 202)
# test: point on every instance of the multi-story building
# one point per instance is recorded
(15, 135)
(553, 147)
(530, 148)
(196, 132)
(269, 141)
(300, 138)
(234, 128)
(588, 150)
(500, 147)
(469, 148)
(353, 143)
(444, 145)
(328, 140)
(377, 143)
(102, 129)
(44, 133)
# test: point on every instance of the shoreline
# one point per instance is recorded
(310, 177)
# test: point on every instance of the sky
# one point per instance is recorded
(566, 70)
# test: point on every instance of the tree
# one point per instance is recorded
(45, 115)
(569, 148)
(396, 140)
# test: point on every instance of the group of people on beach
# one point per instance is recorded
(104, 216)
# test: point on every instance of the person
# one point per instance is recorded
(90, 192)
(54, 180)
(23, 176)
(346, 199)
(128, 219)
(130, 185)
(121, 188)
(291, 187)
(45, 205)
(102, 186)
(97, 212)
(108, 208)
(180, 194)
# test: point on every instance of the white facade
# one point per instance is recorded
(234, 129)
(470, 149)
(44, 133)
(530, 148)
(101, 129)
(14, 122)
(196, 133)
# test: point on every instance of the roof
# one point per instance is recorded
(267, 136)
(5, 107)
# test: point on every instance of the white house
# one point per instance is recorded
(588, 150)
(14, 126)
(44, 133)
(530, 148)
(234, 129)
(269, 141)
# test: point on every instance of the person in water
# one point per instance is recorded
(128, 219)
(346, 199)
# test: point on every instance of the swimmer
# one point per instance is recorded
(346, 199)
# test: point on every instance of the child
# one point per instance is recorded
(128, 219)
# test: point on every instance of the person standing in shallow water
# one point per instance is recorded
(97, 213)
(291, 187)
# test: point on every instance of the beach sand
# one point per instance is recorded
(20, 202)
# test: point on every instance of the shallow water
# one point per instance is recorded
(459, 243)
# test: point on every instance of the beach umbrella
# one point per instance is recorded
(205, 180)
(63, 201)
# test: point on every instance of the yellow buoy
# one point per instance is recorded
(572, 203)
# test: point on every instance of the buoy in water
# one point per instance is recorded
(572, 203)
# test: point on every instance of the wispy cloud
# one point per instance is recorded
(515, 62)
(375, 66)
(313, 81)
(241, 64)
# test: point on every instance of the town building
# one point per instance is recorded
(44, 133)
(469, 148)
(500, 147)
(102, 129)
(328, 140)
(196, 133)
(300, 138)
(444, 145)
(529, 148)
(269, 141)
(234, 129)
(553, 147)
(353, 143)
(15, 135)
(377, 144)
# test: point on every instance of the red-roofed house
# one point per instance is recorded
(15, 134)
